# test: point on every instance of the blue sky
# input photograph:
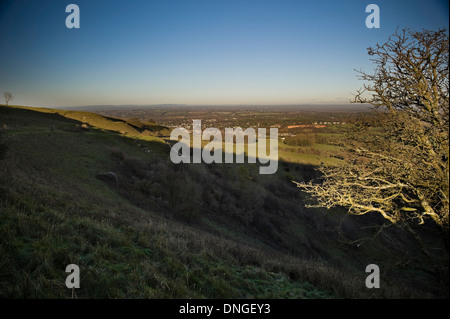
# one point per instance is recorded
(195, 52)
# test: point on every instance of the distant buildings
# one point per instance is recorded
(287, 134)
(306, 125)
(316, 124)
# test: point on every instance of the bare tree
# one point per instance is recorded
(8, 96)
(397, 160)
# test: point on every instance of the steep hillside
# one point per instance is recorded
(106, 197)
(130, 127)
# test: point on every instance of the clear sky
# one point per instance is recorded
(195, 52)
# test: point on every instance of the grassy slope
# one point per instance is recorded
(54, 211)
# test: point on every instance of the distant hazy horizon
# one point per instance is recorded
(287, 107)
(196, 52)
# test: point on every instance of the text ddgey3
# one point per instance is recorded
(226, 308)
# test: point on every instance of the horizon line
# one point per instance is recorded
(200, 105)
